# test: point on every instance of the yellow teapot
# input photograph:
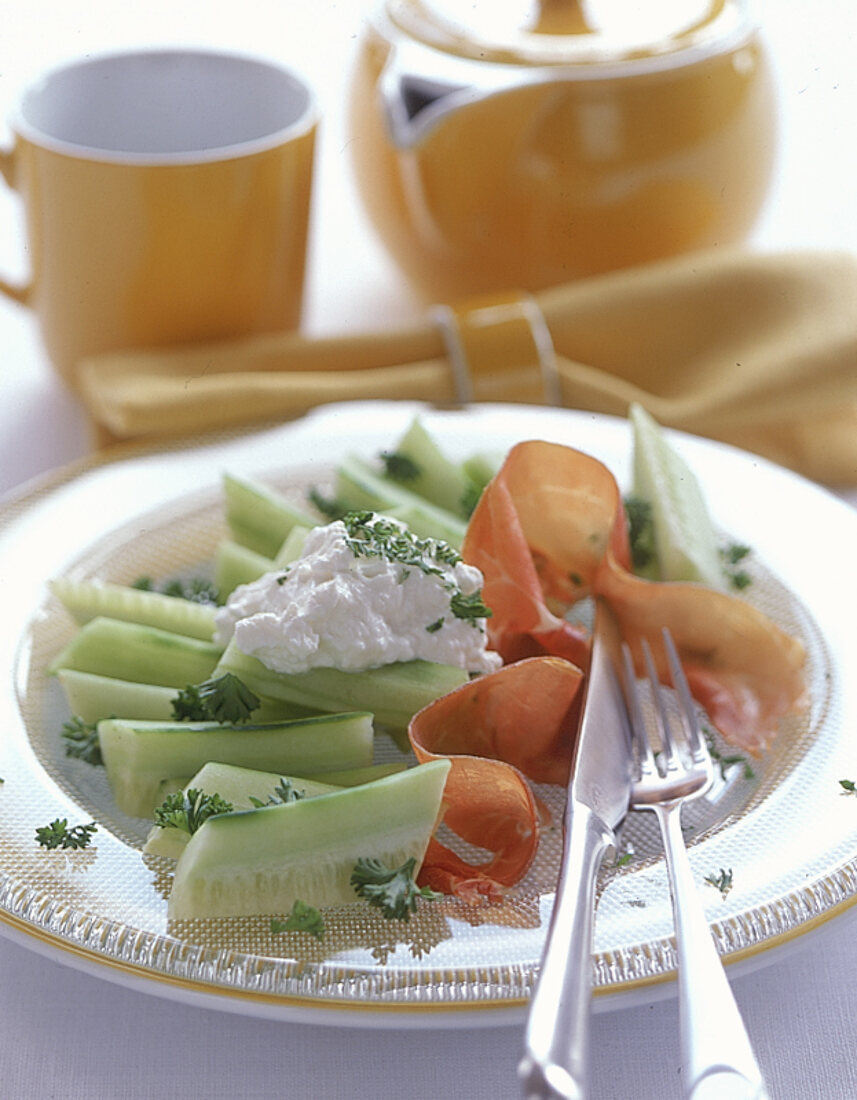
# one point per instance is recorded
(503, 145)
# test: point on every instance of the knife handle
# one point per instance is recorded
(556, 1040)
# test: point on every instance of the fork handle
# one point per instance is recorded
(720, 1064)
(557, 1034)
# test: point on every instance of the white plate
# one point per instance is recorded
(789, 836)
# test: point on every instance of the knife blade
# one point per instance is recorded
(554, 1065)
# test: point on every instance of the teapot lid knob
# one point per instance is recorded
(567, 32)
(561, 17)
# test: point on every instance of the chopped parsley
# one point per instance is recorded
(372, 536)
(721, 882)
(848, 786)
(369, 535)
(469, 607)
(725, 761)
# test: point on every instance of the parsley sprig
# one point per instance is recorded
(59, 835)
(400, 467)
(330, 507)
(641, 531)
(195, 589)
(81, 740)
(731, 557)
(284, 792)
(188, 810)
(225, 699)
(393, 891)
(302, 918)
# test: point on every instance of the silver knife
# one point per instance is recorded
(554, 1065)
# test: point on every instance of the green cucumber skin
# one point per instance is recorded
(143, 654)
(260, 862)
(238, 786)
(259, 517)
(394, 693)
(140, 756)
(91, 697)
(86, 600)
(354, 777)
(358, 486)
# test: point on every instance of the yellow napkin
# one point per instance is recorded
(755, 350)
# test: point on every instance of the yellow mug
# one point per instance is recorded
(166, 198)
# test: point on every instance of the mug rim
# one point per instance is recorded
(30, 132)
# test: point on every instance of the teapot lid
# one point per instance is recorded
(556, 32)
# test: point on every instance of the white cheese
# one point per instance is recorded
(336, 608)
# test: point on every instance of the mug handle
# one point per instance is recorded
(16, 293)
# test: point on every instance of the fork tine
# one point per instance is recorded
(689, 719)
(639, 729)
(669, 749)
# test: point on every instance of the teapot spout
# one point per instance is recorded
(414, 104)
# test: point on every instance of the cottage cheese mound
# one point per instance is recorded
(356, 601)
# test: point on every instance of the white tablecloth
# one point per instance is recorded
(67, 1035)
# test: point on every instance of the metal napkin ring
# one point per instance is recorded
(499, 349)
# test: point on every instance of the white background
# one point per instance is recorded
(67, 1035)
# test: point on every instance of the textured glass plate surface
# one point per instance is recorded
(788, 835)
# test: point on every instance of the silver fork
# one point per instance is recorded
(716, 1050)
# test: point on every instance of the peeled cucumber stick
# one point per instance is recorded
(144, 654)
(237, 786)
(441, 481)
(347, 777)
(258, 516)
(686, 544)
(91, 697)
(259, 862)
(235, 564)
(393, 693)
(140, 755)
(86, 600)
(359, 486)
